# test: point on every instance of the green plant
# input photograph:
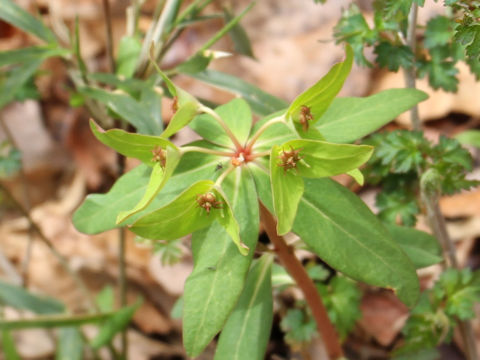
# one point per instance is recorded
(284, 162)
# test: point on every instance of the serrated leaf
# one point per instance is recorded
(349, 119)
(422, 248)
(15, 15)
(247, 331)
(70, 344)
(236, 114)
(218, 277)
(287, 189)
(439, 32)
(299, 327)
(394, 56)
(19, 298)
(132, 145)
(114, 324)
(318, 97)
(261, 102)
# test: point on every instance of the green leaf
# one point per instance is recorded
(342, 299)
(247, 330)
(236, 114)
(469, 137)
(98, 213)
(8, 346)
(182, 117)
(342, 230)
(261, 102)
(422, 249)
(217, 280)
(287, 189)
(129, 50)
(195, 64)
(318, 97)
(441, 74)
(394, 56)
(439, 32)
(105, 300)
(27, 54)
(349, 119)
(158, 179)
(241, 42)
(53, 321)
(114, 324)
(180, 217)
(127, 108)
(16, 16)
(323, 159)
(70, 344)
(20, 298)
(299, 327)
(16, 79)
(278, 133)
(133, 145)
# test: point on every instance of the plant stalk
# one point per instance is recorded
(109, 34)
(222, 123)
(297, 271)
(430, 200)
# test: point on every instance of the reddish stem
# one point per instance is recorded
(295, 268)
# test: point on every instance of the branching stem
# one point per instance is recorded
(186, 149)
(297, 271)
(222, 123)
(261, 130)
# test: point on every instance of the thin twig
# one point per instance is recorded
(109, 34)
(306, 285)
(122, 285)
(61, 259)
(430, 199)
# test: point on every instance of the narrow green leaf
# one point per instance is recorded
(241, 42)
(469, 137)
(98, 213)
(261, 102)
(132, 145)
(114, 324)
(357, 176)
(323, 159)
(194, 64)
(70, 344)
(343, 231)
(16, 16)
(158, 178)
(182, 117)
(236, 114)
(27, 54)
(218, 277)
(127, 108)
(422, 248)
(16, 79)
(20, 298)
(105, 300)
(8, 346)
(349, 119)
(318, 97)
(181, 217)
(129, 49)
(228, 27)
(53, 321)
(247, 331)
(287, 189)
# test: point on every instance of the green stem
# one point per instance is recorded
(222, 177)
(186, 149)
(261, 130)
(222, 123)
(122, 284)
